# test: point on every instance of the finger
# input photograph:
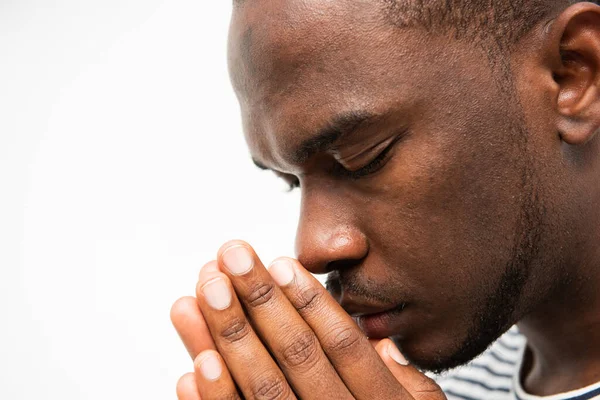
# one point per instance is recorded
(212, 377)
(290, 340)
(345, 344)
(209, 266)
(418, 384)
(189, 322)
(248, 361)
(186, 388)
(191, 326)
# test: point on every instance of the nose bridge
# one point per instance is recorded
(328, 234)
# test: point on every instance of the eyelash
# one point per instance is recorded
(368, 169)
(294, 184)
(371, 167)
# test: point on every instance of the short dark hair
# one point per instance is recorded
(504, 21)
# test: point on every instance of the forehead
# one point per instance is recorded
(295, 65)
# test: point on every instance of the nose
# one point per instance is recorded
(327, 239)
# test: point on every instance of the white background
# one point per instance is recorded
(122, 170)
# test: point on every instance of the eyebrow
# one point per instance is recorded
(341, 125)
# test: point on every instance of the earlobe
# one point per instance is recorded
(579, 126)
(578, 73)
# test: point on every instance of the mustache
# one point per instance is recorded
(339, 282)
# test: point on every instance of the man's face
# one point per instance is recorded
(419, 194)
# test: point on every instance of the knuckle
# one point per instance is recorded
(260, 294)
(235, 330)
(427, 389)
(343, 340)
(271, 388)
(302, 350)
(307, 298)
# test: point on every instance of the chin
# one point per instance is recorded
(433, 361)
(439, 363)
(448, 352)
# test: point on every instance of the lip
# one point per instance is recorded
(382, 324)
(376, 322)
(358, 310)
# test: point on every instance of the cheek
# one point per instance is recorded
(446, 214)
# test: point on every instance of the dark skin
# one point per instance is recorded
(480, 211)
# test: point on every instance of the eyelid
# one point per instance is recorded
(347, 161)
(291, 180)
(295, 183)
(379, 159)
(377, 149)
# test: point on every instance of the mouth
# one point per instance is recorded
(378, 318)
(377, 322)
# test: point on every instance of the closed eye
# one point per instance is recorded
(291, 180)
(293, 183)
(375, 165)
(372, 167)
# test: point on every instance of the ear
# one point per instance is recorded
(576, 67)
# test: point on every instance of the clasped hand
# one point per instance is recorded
(255, 333)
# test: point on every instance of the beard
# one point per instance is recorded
(503, 307)
(502, 304)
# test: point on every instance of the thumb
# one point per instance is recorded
(419, 385)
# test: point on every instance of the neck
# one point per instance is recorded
(563, 339)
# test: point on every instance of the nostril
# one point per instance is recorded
(342, 265)
(333, 285)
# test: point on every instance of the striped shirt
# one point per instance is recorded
(494, 375)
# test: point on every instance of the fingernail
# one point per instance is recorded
(396, 355)
(217, 294)
(282, 271)
(238, 259)
(210, 366)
